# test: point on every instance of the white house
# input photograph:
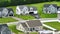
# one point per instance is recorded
(29, 26)
(26, 10)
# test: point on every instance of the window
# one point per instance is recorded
(31, 29)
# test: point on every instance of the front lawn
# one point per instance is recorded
(7, 19)
(55, 25)
(13, 29)
(25, 17)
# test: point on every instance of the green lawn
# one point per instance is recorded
(13, 29)
(55, 25)
(39, 8)
(6, 20)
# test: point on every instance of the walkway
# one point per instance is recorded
(49, 27)
(19, 19)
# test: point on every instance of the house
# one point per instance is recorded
(29, 26)
(4, 29)
(50, 8)
(26, 10)
(5, 12)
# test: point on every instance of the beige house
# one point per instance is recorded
(30, 26)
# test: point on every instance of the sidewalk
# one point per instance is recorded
(49, 27)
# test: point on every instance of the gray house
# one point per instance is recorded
(30, 26)
(4, 29)
(5, 12)
(50, 8)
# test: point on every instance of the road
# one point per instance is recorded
(43, 20)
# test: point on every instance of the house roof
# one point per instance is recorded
(34, 8)
(1, 9)
(21, 7)
(9, 9)
(47, 5)
(30, 23)
(24, 25)
(2, 25)
(34, 23)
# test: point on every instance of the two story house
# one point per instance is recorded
(26, 10)
(50, 8)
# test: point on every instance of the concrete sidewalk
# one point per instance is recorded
(49, 27)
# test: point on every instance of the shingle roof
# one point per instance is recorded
(10, 9)
(1, 9)
(2, 25)
(47, 5)
(21, 7)
(34, 23)
(24, 25)
(34, 8)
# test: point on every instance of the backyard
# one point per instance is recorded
(40, 12)
(7, 19)
(55, 25)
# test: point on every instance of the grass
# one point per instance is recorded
(55, 25)
(6, 20)
(39, 8)
(13, 29)
(25, 17)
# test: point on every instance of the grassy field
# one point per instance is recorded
(55, 25)
(39, 8)
(6, 20)
(13, 29)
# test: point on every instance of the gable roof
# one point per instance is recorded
(10, 9)
(2, 25)
(30, 23)
(47, 5)
(22, 6)
(34, 23)
(24, 25)
(34, 8)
